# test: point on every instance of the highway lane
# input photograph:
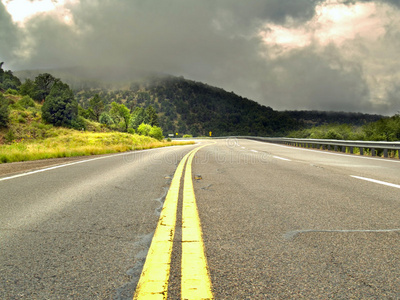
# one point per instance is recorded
(278, 223)
(283, 223)
(82, 231)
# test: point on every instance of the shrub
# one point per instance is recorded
(9, 137)
(16, 106)
(144, 129)
(156, 132)
(21, 119)
(11, 92)
(26, 102)
(79, 123)
(333, 135)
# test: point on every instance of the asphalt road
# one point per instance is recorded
(82, 231)
(278, 223)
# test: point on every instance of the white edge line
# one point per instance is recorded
(60, 166)
(255, 151)
(80, 162)
(281, 158)
(329, 153)
(377, 181)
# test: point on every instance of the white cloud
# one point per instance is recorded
(360, 34)
(333, 22)
(22, 10)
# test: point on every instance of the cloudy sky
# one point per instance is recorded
(340, 55)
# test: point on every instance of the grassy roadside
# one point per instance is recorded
(79, 144)
(27, 138)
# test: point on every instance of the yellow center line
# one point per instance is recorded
(196, 283)
(153, 282)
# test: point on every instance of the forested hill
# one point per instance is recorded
(311, 118)
(189, 107)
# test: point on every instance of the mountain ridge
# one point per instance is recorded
(188, 106)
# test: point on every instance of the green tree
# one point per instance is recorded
(96, 104)
(151, 116)
(106, 119)
(26, 102)
(120, 113)
(43, 86)
(1, 72)
(4, 112)
(137, 118)
(28, 88)
(60, 107)
(8, 80)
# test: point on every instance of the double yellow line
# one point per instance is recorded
(195, 282)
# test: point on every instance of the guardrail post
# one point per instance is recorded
(351, 150)
(344, 149)
(361, 151)
(385, 152)
(373, 152)
(336, 148)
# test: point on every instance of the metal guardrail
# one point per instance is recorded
(335, 145)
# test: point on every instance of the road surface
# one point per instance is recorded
(277, 222)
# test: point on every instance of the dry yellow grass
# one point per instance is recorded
(75, 143)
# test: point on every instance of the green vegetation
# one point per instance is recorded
(96, 107)
(67, 143)
(4, 111)
(188, 107)
(386, 129)
(60, 107)
(317, 118)
(120, 114)
(8, 81)
(46, 128)
(44, 117)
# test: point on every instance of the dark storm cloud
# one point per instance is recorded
(9, 37)
(176, 35)
(395, 2)
(51, 43)
(216, 42)
(273, 10)
(306, 80)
